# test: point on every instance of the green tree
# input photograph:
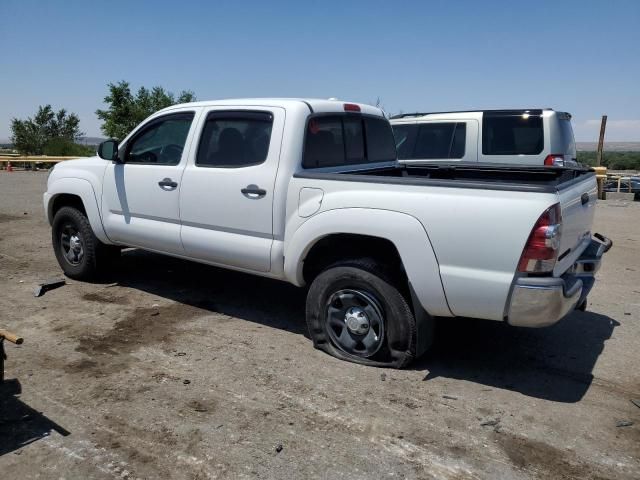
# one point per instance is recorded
(126, 110)
(31, 136)
(62, 146)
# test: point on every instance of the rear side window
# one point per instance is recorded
(568, 141)
(334, 140)
(235, 139)
(512, 134)
(405, 136)
(442, 140)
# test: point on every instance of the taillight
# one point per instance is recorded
(554, 160)
(541, 251)
(351, 107)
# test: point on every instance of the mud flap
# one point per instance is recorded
(425, 325)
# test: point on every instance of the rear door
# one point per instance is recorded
(561, 139)
(514, 137)
(226, 199)
(433, 141)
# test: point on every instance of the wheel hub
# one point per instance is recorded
(75, 244)
(357, 321)
(71, 245)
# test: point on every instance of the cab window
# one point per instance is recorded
(235, 139)
(160, 142)
(334, 140)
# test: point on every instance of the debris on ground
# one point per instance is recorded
(450, 397)
(636, 402)
(186, 382)
(624, 423)
(490, 423)
(279, 448)
(47, 285)
(383, 376)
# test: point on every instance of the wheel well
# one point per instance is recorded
(343, 246)
(66, 200)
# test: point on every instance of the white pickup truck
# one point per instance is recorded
(310, 192)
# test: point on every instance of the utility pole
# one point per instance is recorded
(603, 125)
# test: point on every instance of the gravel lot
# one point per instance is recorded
(175, 370)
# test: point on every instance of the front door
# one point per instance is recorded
(226, 201)
(141, 195)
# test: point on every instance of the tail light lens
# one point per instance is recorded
(541, 251)
(554, 160)
(351, 107)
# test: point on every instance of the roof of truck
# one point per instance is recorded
(315, 105)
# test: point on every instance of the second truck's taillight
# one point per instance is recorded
(554, 160)
(541, 251)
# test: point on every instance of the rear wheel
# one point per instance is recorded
(355, 313)
(80, 254)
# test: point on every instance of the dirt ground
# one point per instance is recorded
(176, 370)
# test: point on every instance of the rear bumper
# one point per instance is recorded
(543, 301)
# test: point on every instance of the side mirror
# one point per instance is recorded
(108, 150)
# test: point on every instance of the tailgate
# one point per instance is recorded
(578, 204)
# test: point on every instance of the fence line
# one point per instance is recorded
(32, 160)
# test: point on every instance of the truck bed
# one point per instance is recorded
(524, 178)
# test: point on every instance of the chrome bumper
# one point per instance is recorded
(543, 301)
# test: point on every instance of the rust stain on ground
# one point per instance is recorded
(143, 326)
(4, 217)
(105, 298)
(551, 462)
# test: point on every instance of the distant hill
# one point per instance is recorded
(90, 140)
(609, 146)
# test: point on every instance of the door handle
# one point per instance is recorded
(167, 182)
(584, 198)
(253, 191)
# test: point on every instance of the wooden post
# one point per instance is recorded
(603, 125)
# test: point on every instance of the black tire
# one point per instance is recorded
(364, 282)
(93, 255)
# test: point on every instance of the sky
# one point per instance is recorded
(577, 56)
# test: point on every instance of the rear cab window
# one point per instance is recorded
(512, 133)
(347, 139)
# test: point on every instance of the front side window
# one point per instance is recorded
(161, 142)
(235, 139)
(334, 140)
(518, 133)
(431, 141)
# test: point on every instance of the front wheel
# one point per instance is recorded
(355, 313)
(80, 254)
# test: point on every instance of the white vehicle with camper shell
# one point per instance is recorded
(516, 137)
(310, 192)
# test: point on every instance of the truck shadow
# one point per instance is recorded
(553, 363)
(20, 424)
(261, 300)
